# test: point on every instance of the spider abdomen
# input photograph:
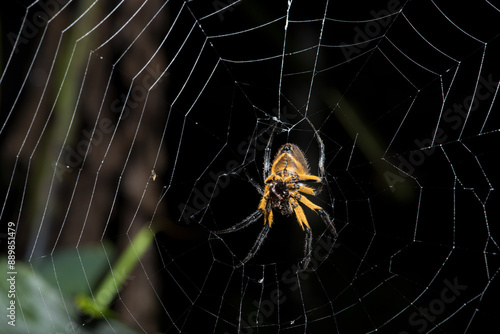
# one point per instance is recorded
(290, 159)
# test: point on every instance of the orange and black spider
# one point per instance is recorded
(286, 180)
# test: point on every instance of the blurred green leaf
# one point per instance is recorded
(73, 270)
(39, 307)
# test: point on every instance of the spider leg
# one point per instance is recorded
(321, 162)
(301, 217)
(265, 207)
(267, 155)
(328, 222)
(254, 183)
(309, 178)
(256, 246)
(244, 223)
(307, 249)
(304, 189)
(319, 210)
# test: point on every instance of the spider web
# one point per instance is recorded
(124, 115)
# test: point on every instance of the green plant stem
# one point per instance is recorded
(98, 306)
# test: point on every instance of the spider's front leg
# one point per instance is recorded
(321, 162)
(267, 154)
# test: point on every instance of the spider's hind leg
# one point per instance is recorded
(328, 222)
(244, 223)
(307, 249)
(256, 246)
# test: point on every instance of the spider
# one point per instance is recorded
(285, 180)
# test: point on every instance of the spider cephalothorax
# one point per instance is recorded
(278, 197)
(285, 182)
